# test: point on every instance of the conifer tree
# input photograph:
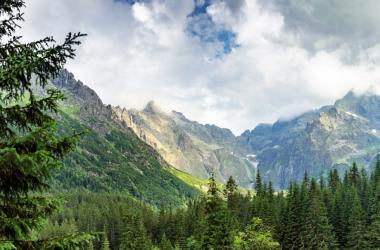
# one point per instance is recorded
(334, 180)
(258, 184)
(29, 148)
(165, 244)
(319, 232)
(373, 232)
(292, 231)
(105, 242)
(217, 233)
(230, 192)
(375, 177)
(232, 196)
(339, 216)
(354, 176)
(355, 238)
(134, 235)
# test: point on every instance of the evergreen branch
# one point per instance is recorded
(23, 61)
(24, 118)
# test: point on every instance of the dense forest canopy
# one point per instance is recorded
(337, 212)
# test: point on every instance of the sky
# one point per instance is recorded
(232, 63)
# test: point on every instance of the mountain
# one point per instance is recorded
(331, 137)
(200, 150)
(133, 150)
(109, 156)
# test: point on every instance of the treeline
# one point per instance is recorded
(328, 213)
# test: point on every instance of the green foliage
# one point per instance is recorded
(255, 236)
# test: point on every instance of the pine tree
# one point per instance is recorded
(232, 196)
(375, 177)
(258, 184)
(230, 192)
(354, 176)
(134, 235)
(165, 244)
(319, 232)
(339, 216)
(334, 181)
(373, 231)
(293, 228)
(216, 224)
(355, 238)
(29, 148)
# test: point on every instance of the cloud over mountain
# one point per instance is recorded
(233, 63)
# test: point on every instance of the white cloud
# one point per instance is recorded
(137, 53)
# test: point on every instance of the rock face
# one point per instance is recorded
(197, 149)
(330, 137)
(92, 111)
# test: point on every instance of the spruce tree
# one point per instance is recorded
(134, 235)
(29, 147)
(319, 232)
(355, 238)
(375, 176)
(230, 192)
(292, 230)
(373, 231)
(165, 244)
(258, 183)
(334, 180)
(232, 196)
(216, 223)
(339, 216)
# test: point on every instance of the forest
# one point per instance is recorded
(328, 213)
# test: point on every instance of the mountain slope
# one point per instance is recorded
(317, 141)
(109, 156)
(200, 150)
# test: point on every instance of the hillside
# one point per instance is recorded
(110, 157)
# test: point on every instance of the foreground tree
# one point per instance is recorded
(29, 148)
(255, 236)
(217, 234)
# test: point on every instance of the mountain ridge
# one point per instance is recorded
(316, 141)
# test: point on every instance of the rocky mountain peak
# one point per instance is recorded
(67, 81)
(90, 104)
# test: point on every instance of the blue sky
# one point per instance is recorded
(209, 31)
(233, 63)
